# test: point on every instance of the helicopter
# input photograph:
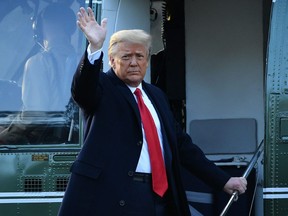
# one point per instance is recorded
(222, 64)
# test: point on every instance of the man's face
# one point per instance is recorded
(130, 63)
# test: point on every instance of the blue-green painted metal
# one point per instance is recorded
(275, 192)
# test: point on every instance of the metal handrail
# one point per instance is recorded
(234, 196)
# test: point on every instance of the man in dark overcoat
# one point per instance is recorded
(114, 174)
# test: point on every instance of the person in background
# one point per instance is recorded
(48, 74)
(46, 79)
(133, 148)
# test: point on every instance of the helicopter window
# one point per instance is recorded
(41, 47)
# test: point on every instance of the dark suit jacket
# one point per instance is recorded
(100, 183)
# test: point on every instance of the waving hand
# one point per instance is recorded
(94, 32)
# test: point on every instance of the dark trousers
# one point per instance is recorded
(144, 202)
(163, 206)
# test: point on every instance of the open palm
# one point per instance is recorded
(94, 32)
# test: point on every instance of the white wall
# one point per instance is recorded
(224, 60)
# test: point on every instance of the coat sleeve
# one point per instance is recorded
(85, 87)
(195, 161)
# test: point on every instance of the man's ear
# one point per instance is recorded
(112, 61)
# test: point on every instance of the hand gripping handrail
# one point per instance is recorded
(234, 196)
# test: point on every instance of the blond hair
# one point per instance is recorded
(135, 36)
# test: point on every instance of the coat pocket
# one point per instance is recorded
(85, 169)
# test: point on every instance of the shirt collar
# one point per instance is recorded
(132, 89)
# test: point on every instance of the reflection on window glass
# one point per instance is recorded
(41, 47)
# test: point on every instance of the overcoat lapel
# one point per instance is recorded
(156, 101)
(125, 92)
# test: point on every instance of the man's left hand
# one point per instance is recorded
(236, 184)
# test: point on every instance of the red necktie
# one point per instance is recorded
(159, 178)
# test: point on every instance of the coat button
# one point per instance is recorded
(130, 173)
(140, 143)
(122, 202)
